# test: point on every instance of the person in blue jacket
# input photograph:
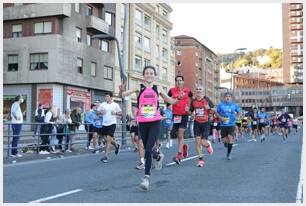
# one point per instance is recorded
(228, 110)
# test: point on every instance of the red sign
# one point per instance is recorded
(45, 97)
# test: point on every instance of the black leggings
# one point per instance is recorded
(149, 131)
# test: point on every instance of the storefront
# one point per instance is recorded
(77, 97)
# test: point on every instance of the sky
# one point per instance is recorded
(225, 27)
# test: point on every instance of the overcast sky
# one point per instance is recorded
(224, 27)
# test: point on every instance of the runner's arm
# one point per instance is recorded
(129, 92)
(168, 99)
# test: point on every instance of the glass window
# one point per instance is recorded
(77, 7)
(157, 71)
(108, 18)
(108, 73)
(39, 61)
(138, 17)
(138, 40)
(78, 34)
(89, 10)
(164, 73)
(88, 39)
(146, 44)
(104, 45)
(147, 62)
(165, 13)
(93, 69)
(13, 63)
(138, 64)
(17, 31)
(165, 53)
(178, 52)
(157, 52)
(165, 36)
(157, 32)
(80, 65)
(43, 27)
(147, 23)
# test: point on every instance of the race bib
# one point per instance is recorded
(254, 122)
(262, 120)
(200, 112)
(168, 121)
(177, 119)
(98, 122)
(215, 123)
(148, 111)
(283, 120)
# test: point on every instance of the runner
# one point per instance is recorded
(262, 117)
(244, 129)
(149, 118)
(200, 107)
(227, 111)
(274, 121)
(284, 118)
(295, 125)
(216, 128)
(254, 119)
(238, 128)
(133, 128)
(109, 110)
(180, 116)
(167, 120)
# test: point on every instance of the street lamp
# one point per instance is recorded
(123, 80)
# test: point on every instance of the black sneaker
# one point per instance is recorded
(177, 160)
(104, 159)
(117, 149)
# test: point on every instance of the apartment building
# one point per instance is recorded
(147, 42)
(293, 42)
(49, 57)
(198, 65)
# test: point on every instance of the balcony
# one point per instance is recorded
(36, 10)
(296, 14)
(96, 25)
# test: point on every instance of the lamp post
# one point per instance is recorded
(122, 77)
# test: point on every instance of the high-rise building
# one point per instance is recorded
(293, 42)
(50, 58)
(147, 42)
(198, 65)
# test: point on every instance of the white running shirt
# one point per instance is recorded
(108, 118)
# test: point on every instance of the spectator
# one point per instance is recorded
(66, 120)
(17, 120)
(89, 121)
(46, 130)
(39, 119)
(76, 122)
(54, 140)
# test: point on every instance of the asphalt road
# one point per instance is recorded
(266, 172)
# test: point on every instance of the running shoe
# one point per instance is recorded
(201, 163)
(144, 185)
(104, 159)
(117, 149)
(141, 166)
(159, 163)
(185, 150)
(168, 145)
(177, 159)
(228, 156)
(210, 149)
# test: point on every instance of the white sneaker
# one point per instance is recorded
(168, 145)
(46, 152)
(159, 164)
(68, 150)
(144, 185)
(171, 143)
(18, 155)
(90, 147)
(42, 152)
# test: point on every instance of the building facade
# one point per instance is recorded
(50, 58)
(244, 81)
(198, 65)
(293, 42)
(147, 42)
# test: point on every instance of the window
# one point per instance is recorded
(17, 31)
(43, 27)
(164, 35)
(178, 52)
(88, 39)
(157, 52)
(12, 63)
(104, 45)
(108, 73)
(165, 54)
(179, 63)
(93, 69)
(89, 11)
(77, 7)
(164, 73)
(39, 61)
(138, 64)
(147, 23)
(157, 32)
(138, 40)
(80, 65)
(147, 62)
(165, 13)
(108, 18)
(138, 17)
(146, 44)
(78, 34)
(157, 71)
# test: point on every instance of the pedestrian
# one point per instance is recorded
(46, 131)
(17, 121)
(201, 107)
(76, 122)
(227, 111)
(180, 115)
(66, 120)
(53, 139)
(110, 110)
(168, 123)
(149, 118)
(39, 119)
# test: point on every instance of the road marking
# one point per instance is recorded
(56, 196)
(189, 158)
(299, 194)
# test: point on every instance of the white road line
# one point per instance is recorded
(299, 194)
(183, 160)
(56, 196)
